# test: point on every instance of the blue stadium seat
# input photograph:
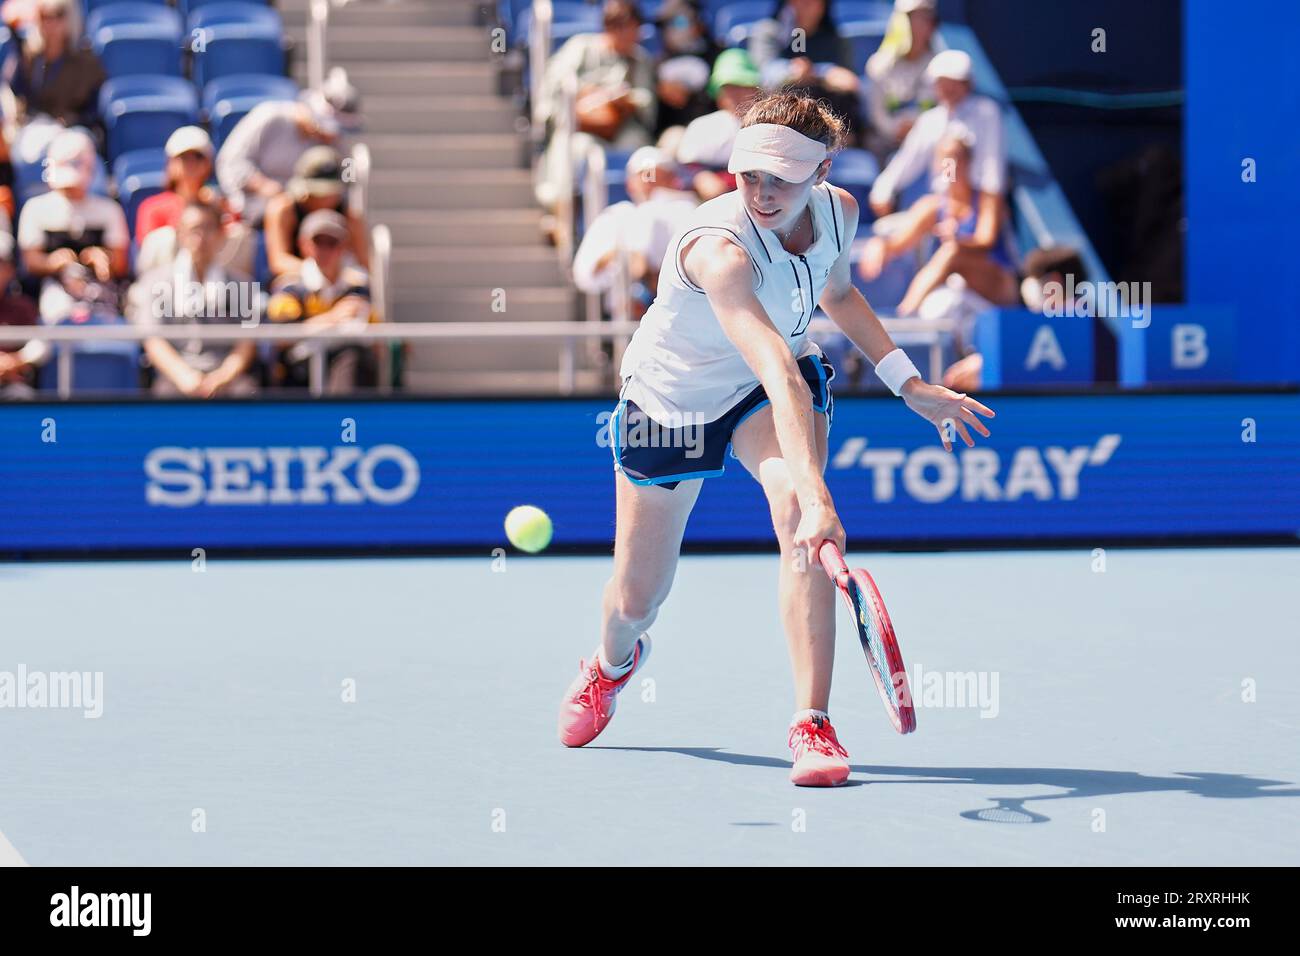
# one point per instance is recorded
(133, 37)
(90, 6)
(570, 19)
(860, 11)
(139, 174)
(142, 111)
(745, 13)
(187, 7)
(855, 170)
(8, 47)
(97, 367)
(864, 37)
(237, 37)
(227, 99)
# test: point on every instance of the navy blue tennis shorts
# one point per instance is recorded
(650, 454)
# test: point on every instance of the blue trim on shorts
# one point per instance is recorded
(660, 464)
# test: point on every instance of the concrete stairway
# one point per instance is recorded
(450, 180)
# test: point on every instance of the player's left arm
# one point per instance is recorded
(849, 310)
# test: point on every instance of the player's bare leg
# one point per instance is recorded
(647, 540)
(806, 595)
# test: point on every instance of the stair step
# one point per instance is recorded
(440, 114)
(465, 227)
(488, 355)
(412, 151)
(455, 382)
(395, 79)
(522, 304)
(422, 44)
(492, 266)
(444, 189)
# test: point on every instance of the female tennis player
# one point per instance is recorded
(722, 361)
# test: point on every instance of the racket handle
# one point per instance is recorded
(831, 559)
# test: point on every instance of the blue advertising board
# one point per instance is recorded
(442, 474)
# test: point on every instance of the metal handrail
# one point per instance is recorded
(539, 52)
(927, 332)
(317, 28)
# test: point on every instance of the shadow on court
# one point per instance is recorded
(1077, 784)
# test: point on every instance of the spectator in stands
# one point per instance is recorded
(1046, 274)
(898, 89)
(8, 206)
(800, 47)
(615, 83)
(950, 72)
(705, 146)
(73, 241)
(967, 226)
(55, 81)
(195, 288)
(642, 228)
(683, 72)
(189, 168)
(17, 362)
(259, 155)
(317, 183)
(327, 292)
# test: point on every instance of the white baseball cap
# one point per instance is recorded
(950, 65)
(189, 139)
(70, 160)
(909, 6)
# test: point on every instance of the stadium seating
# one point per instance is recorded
(855, 170)
(236, 37)
(569, 19)
(744, 14)
(139, 174)
(90, 6)
(142, 111)
(187, 7)
(133, 37)
(227, 99)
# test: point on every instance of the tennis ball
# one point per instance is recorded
(528, 528)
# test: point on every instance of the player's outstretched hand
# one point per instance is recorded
(937, 405)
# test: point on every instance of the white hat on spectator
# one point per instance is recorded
(336, 106)
(910, 6)
(324, 222)
(70, 160)
(690, 71)
(646, 158)
(950, 65)
(52, 6)
(189, 139)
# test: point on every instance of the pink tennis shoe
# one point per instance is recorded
(589, 703)
(819, 760)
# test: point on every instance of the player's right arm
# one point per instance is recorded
(724, 271)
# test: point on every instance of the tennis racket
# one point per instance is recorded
(876, 634)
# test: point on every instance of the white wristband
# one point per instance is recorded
(895, 369)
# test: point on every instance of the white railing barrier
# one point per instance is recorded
(927, 332)
(539, 52)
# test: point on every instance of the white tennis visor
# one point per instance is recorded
(779, 150)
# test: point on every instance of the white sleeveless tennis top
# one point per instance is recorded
(680, 367)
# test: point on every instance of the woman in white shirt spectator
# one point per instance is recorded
(72, 240)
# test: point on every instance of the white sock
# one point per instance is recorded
(808, 715)
(615, 671)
